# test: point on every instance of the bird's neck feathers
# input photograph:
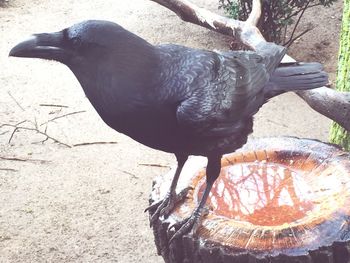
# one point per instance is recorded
(130, 60)
(137, 59)
(121, 79)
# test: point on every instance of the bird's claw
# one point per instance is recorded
(188, 225)
(165, 206)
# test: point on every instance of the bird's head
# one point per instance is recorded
(98, 52)
(83, 43)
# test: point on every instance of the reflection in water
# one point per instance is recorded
(290, 199)
(261, 193)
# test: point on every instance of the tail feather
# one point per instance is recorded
(296, 76)
(271, 53)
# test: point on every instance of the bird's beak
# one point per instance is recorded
(45, 46)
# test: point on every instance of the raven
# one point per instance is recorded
(173, 98)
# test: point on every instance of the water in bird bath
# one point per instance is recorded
(277, 199)
(266, 194)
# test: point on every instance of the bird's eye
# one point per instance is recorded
(76, 41)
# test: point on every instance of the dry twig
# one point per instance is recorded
(16, 101)
(128, 173)
(8, 169)
(53, 105)
(92, 143)
(154, 165)
(17, 159)
(16, 127)
(48, 137)
(62, 116)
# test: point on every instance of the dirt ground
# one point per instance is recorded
(85, 203)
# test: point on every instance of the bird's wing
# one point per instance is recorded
(229, 92)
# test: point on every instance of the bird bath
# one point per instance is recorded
(277, 198)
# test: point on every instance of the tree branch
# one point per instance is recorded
(291, 39)
(190, 12)
(330, 103)
(255, 15)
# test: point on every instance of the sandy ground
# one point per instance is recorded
(85, 203)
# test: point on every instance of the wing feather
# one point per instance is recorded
(214, 91)
(217, 108)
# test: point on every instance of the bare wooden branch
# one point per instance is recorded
(330, 103)
(189, 12)
(248, 34)
(255, 15)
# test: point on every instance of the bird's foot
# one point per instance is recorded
(165, 206)
(190, 224)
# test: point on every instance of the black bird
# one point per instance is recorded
(173, 98)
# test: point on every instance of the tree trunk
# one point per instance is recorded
(338, 134)
(278, 200)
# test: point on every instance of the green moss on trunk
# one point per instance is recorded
(339, 135)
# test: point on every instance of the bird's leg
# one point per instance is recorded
(165, 206)
(193, 222)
